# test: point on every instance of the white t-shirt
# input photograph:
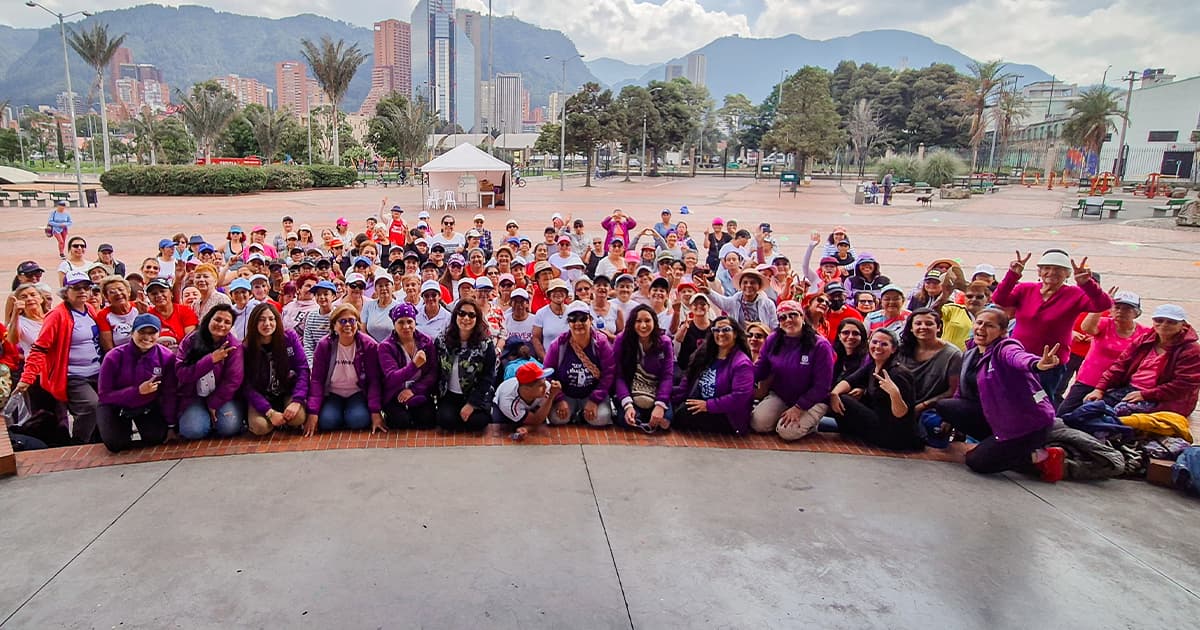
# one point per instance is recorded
(730, 247)
(560, 262)
(30, 329)
(65, 266)
(166, 269)
(522, 329)
(607, 268)
(432, 326)
(453, 243)
(624, 307)
(510, 404)
(121, 325)
(608, 322)
(552, 325)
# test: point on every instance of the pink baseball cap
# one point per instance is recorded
(718, 221)
(342, 221)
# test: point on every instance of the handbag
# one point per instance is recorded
(643, 389)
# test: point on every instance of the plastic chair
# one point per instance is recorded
(450, 200)
(434, 199)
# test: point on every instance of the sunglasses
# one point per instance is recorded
(347, 321)
(467, 314)
(783, 317)
(821, 301)
(756, 335)
(576, 318)
(1163, 320)
(78, 246)
(720, 330)
(975, 296)
(447, 223)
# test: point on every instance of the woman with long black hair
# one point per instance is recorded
(718, 390)
(466, 357)
(276, 382)
(850, 348)
(645, 368)
(876, 402)
(209, 371)
(933, 362)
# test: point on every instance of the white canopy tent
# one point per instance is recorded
(456, 168)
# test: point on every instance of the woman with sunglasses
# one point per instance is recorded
(1046, 310)
(453, 273)
(64, 364)
(466, 370)
(75, 259)
(376, 313)
(209, 370)
(235, 244)
(645, 369)
(717, 391)
(408, 371)
(550, 321)
(356, 289)
(452, 241)
(1159, 371)
(582, 360)
(277, 374)
(958, 320)
(794, 373)
(876, 402)
(756, 336)
(690, 334)
(344, 390)
(1000, 402)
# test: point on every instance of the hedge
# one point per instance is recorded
(221, 180)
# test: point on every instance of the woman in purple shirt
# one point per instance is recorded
(583, 361)
(208, 368)
(644, 373)
(131, 388)
(343, 391)
(794, 375)
(717, 391)
(276, 383)
(408, 369)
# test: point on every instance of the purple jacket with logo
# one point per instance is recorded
(228, 373)
(366, 366)
(1010, 393)
(396, 370)
(255, 384)
(606, 361)
(126, 367)
(735, 391)
(801, 379)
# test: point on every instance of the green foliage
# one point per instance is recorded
(401, 127)
(1092, 116)
(10, 146)
(902, 166)
(207, 111)
(238, 138)
(334, 66)
(940, 167)
(173, 142)
(280, 177)
(807, 124)
(329, 176)
(184, 180)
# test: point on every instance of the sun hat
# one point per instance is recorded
(530, 373)
(577, 307)
(456, 259)
(891, 287)
(754, 273)
(555, 285)
(506, 277)
(146, 320)
(788, 306)
(258, 228)
(484, 282)
(381, 278)
(698, 297)
(258, 276)
(401, 310)
(363, 260)
(479, 217)
(1170, 311)
(196, 239)
(984, 268)
(542, 265)
(465, 280)
(431, 285)
(105, 247)
(351, 278)
(563, 239)
(1055, 258)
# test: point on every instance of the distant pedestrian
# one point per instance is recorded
(887, 188)
(58, 224)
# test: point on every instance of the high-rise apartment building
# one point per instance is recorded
(673, 71)
(554, 109)
(113, 72)
(441, 55)
(392, 71)
(697, 68)
(509, 99)
(247, 90)
(297, 91)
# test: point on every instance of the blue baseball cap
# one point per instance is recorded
(324, 284)
(166, 242)
(207, 249)
(240, 283)
(146, 320)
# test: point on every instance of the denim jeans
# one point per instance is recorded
(344, 413)
(195, 423)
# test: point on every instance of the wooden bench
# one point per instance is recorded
(1114, 206)
(28, 197)
(1174, 206)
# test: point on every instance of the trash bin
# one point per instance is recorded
(92, 198)
(860, 196)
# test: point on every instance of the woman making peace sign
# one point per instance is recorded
(876, 402)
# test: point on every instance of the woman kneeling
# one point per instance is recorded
(131, 388)
(276, 385)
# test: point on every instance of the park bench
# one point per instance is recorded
(58, 195)
(29, 197)
(1114, 206)
(6, 199)
(922, 188)
(1092, 207)
(1174, 206)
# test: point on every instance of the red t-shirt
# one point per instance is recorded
(834, 320)
(180, 320)
(397, 233)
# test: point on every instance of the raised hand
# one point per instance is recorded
(887, 384)
(1018, 265)
(1049, 358)
(419, 358)
(1082, 273)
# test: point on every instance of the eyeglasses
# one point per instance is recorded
(821, 301)
(975, 296)
(467, 314)
(347, 321)
(866, 302)
(576, 318)
(721, 330)
(790, 315)
(1163, 320)
(756, 335)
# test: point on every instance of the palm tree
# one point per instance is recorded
(1092, 118)
(407, 126)
(1010, 109)
(268, 127)
(334, 66)
(145, 134)
(95, 47)
(976, 92)
(206, 113)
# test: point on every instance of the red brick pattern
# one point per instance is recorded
(94, 455)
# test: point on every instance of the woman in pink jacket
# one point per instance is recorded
(1046, 310)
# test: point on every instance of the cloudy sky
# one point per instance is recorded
(1075, 39)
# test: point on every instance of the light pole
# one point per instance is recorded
(562, 119)
(642, 164)
(778, 107)
(62, 27)
(1119, 170)
(1104, 77)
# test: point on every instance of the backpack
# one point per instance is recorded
(1185, 474)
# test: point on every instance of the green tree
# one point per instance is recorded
(206, 112)
(976, 92)
(807, 124)
(97, 49)
(640, 113)
(592, 119)
(268, 128)
(736, 112)
(1010, 109)
(178, 146)
(145, 135)
(1092, 117)
(238, 138)
(333, 65)
(38, 129)
(401, 127)
(10, 145)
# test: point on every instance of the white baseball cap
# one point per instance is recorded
(431, 285)
(1170, 311)
(519, 293)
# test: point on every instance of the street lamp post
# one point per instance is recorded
(1119, 169)
(642, 164)
(562, 120)
(62, 27)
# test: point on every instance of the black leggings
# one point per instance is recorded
(402, 416)
(707, 422)
(993, 456)
(116, 426)
(964, 415)
(449, 414)
(883, 431)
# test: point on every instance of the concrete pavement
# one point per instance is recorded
(588, 537)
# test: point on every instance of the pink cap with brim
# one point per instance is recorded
(718, 221)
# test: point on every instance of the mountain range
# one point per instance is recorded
(193, 43)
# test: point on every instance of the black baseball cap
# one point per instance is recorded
(28, 267)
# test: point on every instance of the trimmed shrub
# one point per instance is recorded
(329, 176)
(281, 177)
(184, 180)
(940, 167)
(905, 167)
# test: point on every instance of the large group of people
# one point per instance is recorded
(396, 326)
